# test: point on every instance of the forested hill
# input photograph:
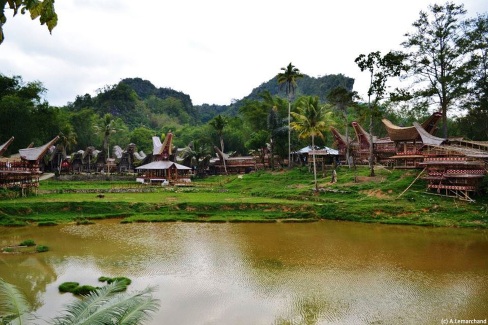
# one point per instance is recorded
(138, 102)
(307, 85)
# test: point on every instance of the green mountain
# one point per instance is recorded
(307, 85)
(139, 103)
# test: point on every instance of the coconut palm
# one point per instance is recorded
(288, 78)
(67, 138)
(218, 123)
(196, 154)
(106, 127)
(311, 119)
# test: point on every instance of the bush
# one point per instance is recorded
(122, 280)
(42, 248)
(28, 243)
(84, 290)
(68, 286)
(46, 223)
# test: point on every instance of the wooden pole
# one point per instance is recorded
(412, 183)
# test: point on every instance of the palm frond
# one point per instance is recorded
(106, 306)
(139, 310)
(80, 310)
(13, 303)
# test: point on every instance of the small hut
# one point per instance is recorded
(161, 169)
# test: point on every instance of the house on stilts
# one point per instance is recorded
(161, 170)
(24, 173)
(454, 168)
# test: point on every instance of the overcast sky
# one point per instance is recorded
(213, 50)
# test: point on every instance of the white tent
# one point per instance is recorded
(162, 164)
(326, 150)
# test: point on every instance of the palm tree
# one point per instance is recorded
(342, 99)
(67, 138)
(289, 78)
(106, 127)
(311, 119)
(105, 305)
(196, 154)
(218, 123)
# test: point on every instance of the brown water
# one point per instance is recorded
(319, 273)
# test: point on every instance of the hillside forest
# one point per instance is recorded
(452, 79)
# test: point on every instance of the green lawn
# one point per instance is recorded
(264, 196)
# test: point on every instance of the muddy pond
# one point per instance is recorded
(315, 273)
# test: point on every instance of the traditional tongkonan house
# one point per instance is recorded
(408, 141)
(341, 142)
(453, 168)
(233, 165)
(24, 174)
(161, 169)
(383, 148)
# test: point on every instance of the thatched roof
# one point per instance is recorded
(36, 154)
(4, 146)
(364, 137)
(409, 133)
(339, 138)
(426, 137)
(160, 148)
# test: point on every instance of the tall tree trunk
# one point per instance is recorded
(223, 155)
(444, 122)
(289, 133)
(314, 166)
(272, 154)
(371, 147)
(348, 150)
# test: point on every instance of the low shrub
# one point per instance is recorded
(28, 243)
(46, 223)
(84, 290)
(84, 222)
(68, 286)
(42, 248)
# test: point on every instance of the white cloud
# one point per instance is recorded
(214, 50)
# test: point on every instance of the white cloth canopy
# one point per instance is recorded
(162, 164)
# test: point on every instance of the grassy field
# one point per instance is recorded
(265, 196)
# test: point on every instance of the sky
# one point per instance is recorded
(216, 51)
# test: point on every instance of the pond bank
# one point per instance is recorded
(285, 196)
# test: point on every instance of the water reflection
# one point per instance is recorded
(320, 273)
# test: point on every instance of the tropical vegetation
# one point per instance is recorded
(443, 66)
(264, 196)
(105, 305)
